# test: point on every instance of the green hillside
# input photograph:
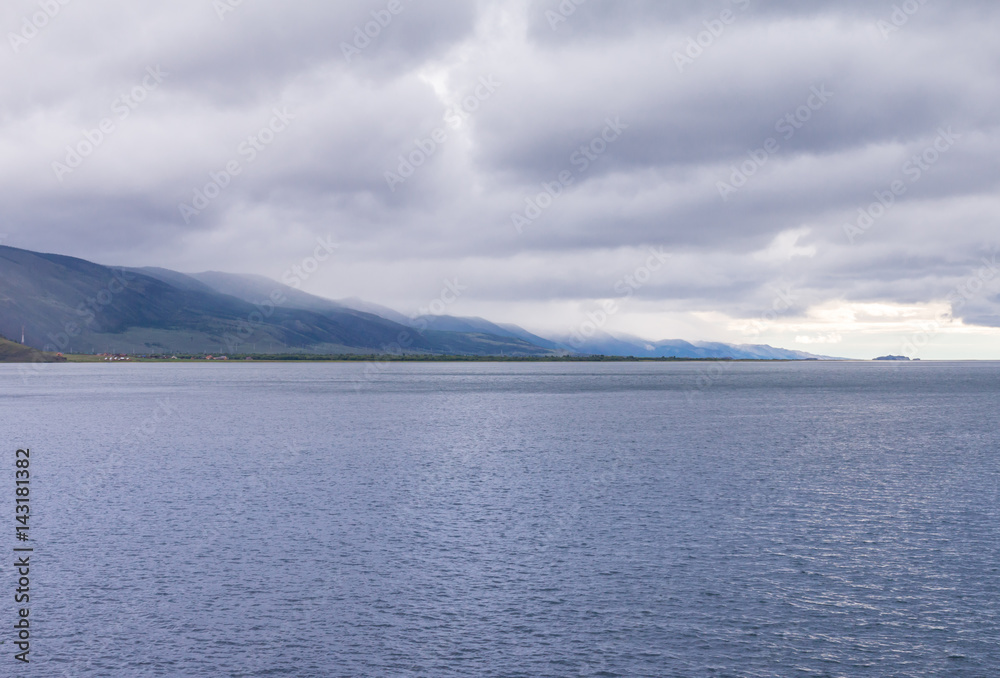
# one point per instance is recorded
(11, 352)
(69, 305)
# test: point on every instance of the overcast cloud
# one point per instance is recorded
(826, 170)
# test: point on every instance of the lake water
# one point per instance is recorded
(807, 519)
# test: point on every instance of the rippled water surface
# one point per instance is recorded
(509, 519)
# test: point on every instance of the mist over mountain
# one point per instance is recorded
(605, 343)
(71, 305)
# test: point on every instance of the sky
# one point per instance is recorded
(819, 175)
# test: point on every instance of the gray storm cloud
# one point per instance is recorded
(393, 146)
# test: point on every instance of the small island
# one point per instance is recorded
(893, 357)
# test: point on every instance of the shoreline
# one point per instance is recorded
(391, 358)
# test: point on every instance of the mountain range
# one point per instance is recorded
(70, 305)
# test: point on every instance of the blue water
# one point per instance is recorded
(508, 519)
